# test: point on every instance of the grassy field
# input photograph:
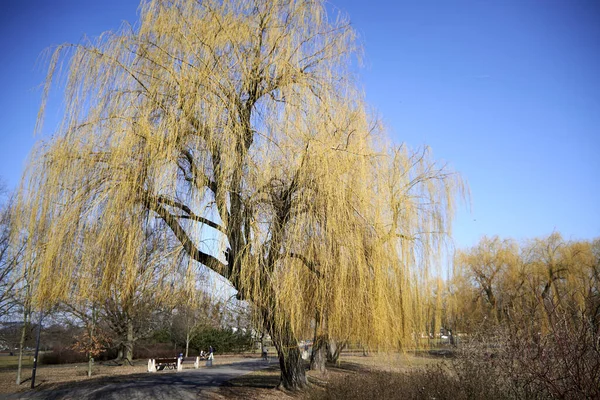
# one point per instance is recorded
(9, 362)
(261, 385)
(256, 385)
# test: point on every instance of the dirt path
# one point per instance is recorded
(187, 384)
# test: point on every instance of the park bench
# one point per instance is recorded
(159, 364)
(166, 363)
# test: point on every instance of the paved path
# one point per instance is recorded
(187, 384)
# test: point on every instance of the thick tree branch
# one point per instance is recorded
(190, 214)
(190, 247)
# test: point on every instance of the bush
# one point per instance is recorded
(562, 363)
(67, 355)
(561, 360)
(62, 355)
(161, 336)
(435, 382)
(222, 340)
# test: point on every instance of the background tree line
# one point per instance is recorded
(540, 280)
(528, 314)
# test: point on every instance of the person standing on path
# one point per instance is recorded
(210, 357)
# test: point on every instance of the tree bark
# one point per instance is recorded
(22, 344)
(293, 374)
(129, 343)
(334, 349)
(92, 332)
(331, 348)
(90, 364)
(318, 355)
(187, 343)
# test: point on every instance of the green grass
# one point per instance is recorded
(7, 362)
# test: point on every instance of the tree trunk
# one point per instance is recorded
(22, 344)
(129, 343)
(92, 332)
(365, 351)
(90, 356)
(293, 374)
(318, 355)
(334, 349)
(262, 342)
(90, 364)
(187, 343)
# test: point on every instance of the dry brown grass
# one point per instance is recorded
(256, 385)
(403, 377)
(262, 384)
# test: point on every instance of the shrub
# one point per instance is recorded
(222, 340)
(162, 335)
(62, 355)
(560, 360)
(435, 382)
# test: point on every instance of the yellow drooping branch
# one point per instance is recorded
(238, 123)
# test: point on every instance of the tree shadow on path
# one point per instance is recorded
(161, 385)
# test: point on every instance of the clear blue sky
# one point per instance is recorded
(506, 91)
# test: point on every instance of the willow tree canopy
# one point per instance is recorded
(236, 128)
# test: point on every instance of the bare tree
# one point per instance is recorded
(15, 287)
(11, 252)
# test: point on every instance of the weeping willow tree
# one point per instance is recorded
(236, 128)
(487, 265)
(536, 284)
(538, 302)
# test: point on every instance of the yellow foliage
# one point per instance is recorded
(236, 129)
(534, 284)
